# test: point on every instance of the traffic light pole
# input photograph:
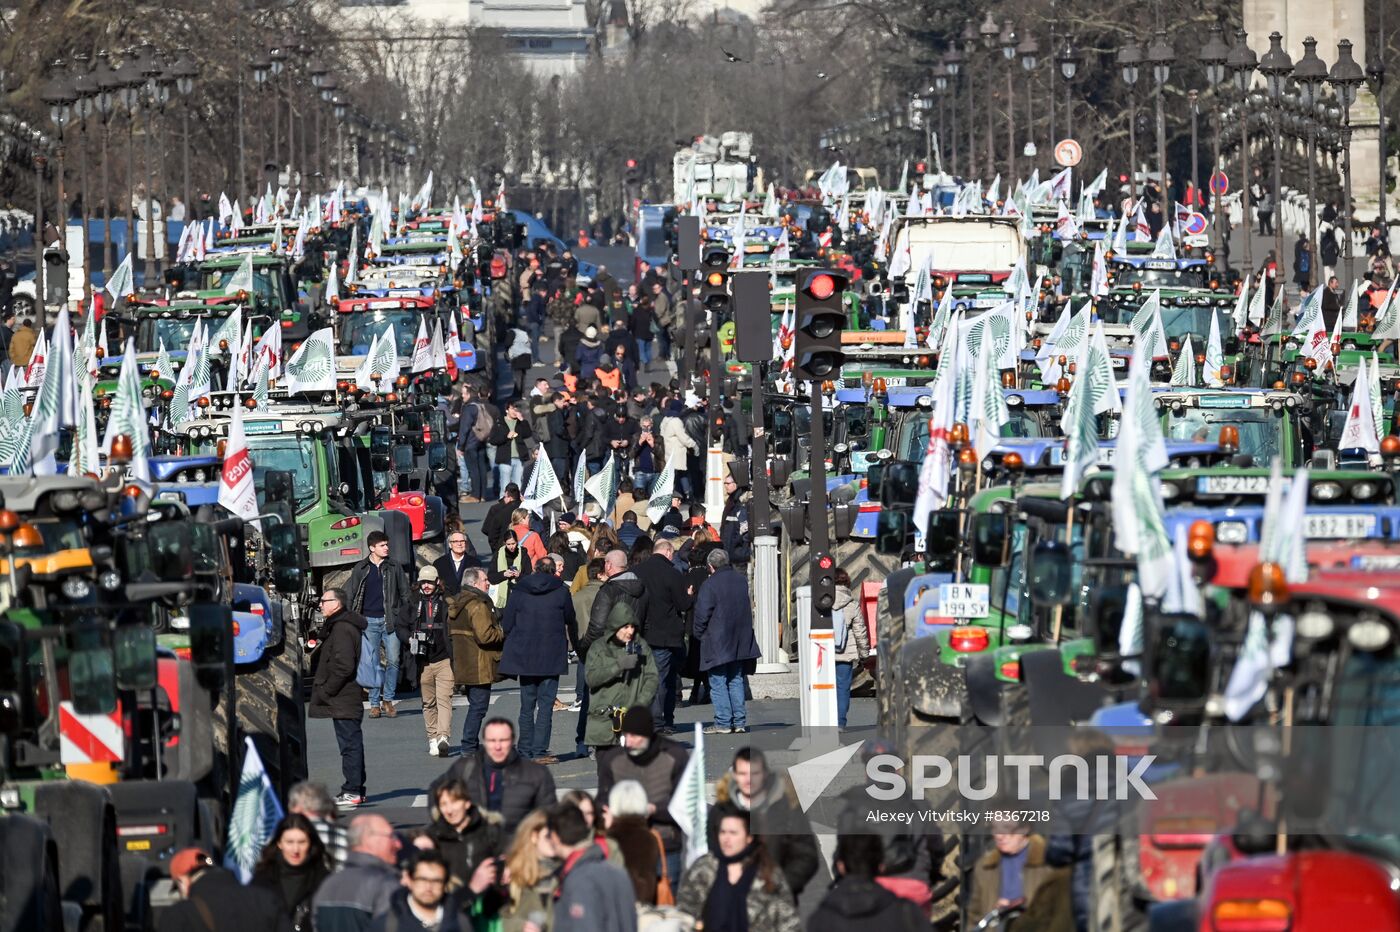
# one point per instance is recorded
(818, 540)
(715, 469)
(758, 460)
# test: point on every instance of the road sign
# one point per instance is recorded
(1194, 224)
(1068, 153)
(1219, 184)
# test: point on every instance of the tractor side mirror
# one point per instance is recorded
(11, 669)
(892, 531)
(277, 486)
(287, 556)
(135, 650)
(381, 445)
(991, 538)
(211, 642)
(843, 520)
(92, 681)
(1052, 573)
(874, 479)
(779, 471)
(437, 455)
(794, 516)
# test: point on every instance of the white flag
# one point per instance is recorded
(381, 360)
(688, 808)
(312, 366)
(1215, 354)
(1165, 248)
(242, 278)
(659, 498)
(422, 348)
(121, 283)
(236, 490)
(1138, 525)
(543, 486)
(1359, 432)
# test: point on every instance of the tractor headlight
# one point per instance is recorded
(1369, 634)
(109, 580)
(76, 588)
(1231, 532)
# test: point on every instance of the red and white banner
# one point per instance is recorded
(89, 739)
(236, 491)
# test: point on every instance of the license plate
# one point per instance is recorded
(1057, 456)
(987, 302)
(1106, 455)
(896, 381)
(964, 600)
(1232, 485)
(1338, 526)
(1376, 561)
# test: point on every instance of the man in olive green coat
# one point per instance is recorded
(477, 640)
(620, 672)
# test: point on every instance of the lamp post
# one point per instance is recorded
(129, 81)
(261, 67)
(1241, 63)
(989, 32)
(1161, 57)
(953, 62)
(1069, 61)
(1276, 65)
(1375, 79)
(1009, 40)
(58, 93)
(39, 143)
(339, 108)
(969, 40)
(106, 80)
(1029, 52)
(1346, 77)
(1129, 60)
(1213, 56)
(84, 106)
(154, 73)
(185, 71)
(1310, 74)
(277, 58)
(940, 88)
(320, 75)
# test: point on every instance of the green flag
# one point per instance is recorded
(1184, 371)
(659, 498)
(242, 279)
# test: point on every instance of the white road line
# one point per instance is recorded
(421, 800)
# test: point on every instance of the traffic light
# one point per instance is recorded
(633, 172)
(753, 328)
(714, 286)
(823, 582)
(821, 318)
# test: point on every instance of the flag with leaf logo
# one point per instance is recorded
(312, 366)
(1215, 354)
(659, 498)
(1184, 370)
(256, 812)
(580, 478)
(383, 361)
(602, 488)
(128, 414)
(543, 486)
(242, 278)
(1141, 454)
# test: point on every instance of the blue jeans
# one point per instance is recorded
(537, 694)
(643, 353)
(509, 472)
(727, 694)
(389, 679)
(669, 661)
(476, 470)
(351, 739)
(478, 704)
(844, 671)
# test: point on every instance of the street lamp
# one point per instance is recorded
(327, 87)
(320, 76)
(1029, 52)
(1276, 65)
(1214, 56)
(1161, 57)
(953, 61)
(154, 73)
(106, 79)
(59, 94)
(1311, 73)
(185, 71)
(1069, 61)
(1375, 79)
(339, 108)
(1346, 77)
(1241, 63)
(1129, 61)
(940, 88)
(1008, 41)
(84, 106)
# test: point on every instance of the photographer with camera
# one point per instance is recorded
(430, 644)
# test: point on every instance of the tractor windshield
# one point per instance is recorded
(288, 454)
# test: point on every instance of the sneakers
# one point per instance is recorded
(718, 730)
(432, 748)
(389, 709)
(348, 801)
(666, 730)
(444, 748)
(741, 730)
(576, 705)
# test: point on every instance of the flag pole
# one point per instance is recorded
(1069, 542)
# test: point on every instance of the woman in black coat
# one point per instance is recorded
(695, 554)
(292, 865)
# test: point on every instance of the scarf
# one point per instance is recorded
(727, 904)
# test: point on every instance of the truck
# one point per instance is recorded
(719, 165)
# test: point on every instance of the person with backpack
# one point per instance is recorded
(335, 691)
(852, 642)
(473, 431)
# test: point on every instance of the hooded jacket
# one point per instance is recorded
(776, 816)
(539, 626)
(859, 903)
(626, 588)
(858, 635)
(527, 785)
(619, 676)
(334, 691)
(588, 355)
(476, 638)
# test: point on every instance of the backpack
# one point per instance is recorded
(484, 423)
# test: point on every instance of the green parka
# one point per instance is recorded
(618, 678)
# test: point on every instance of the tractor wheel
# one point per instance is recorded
(1112, 905)
(29, 895)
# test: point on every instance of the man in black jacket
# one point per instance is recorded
(335, 694)
(212, 899)
(734, 534)
(380, 591)
(856, 901)
(498, 779)
(663, 626)
(497, 520)
(654, 761)
(455, 562)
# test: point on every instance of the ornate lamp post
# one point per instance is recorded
(940, 89)
(84, 106)
(1029, 52)
(107, 80)
(324, 86)
(59, 94)
(155, 89)
(1069, 61)
(185, 71)
(261, 68)
(129, 82)
(1346, 77)
(1311, 73)
(1241, 63)
(1276, 66)
(1009, 41)
(339, 108)
(952, 63)
(1375, 79)
(1213, 56)
(1129, 60)
(1161, 57)
(989, 32)
(277, 57)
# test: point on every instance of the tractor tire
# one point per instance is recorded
(29, 897)
(84, 826)
(1112, 905)
(272, 713)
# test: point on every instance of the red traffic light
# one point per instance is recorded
(821, 287)
(825, 562)
(631, 163)
(920, 167)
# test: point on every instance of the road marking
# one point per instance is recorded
(421, 800)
